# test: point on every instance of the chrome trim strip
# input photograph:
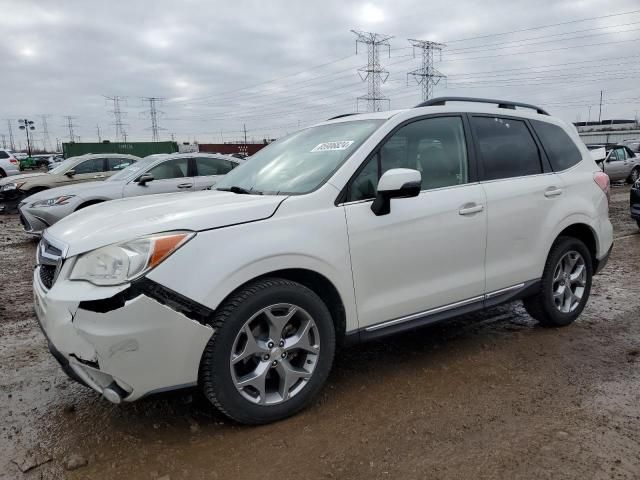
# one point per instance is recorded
(443, 308)
(504, 290)
(425, 313)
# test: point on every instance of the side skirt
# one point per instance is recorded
(445, 312)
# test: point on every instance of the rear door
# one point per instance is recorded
(169, 176)
(521, 190)
(209, 170)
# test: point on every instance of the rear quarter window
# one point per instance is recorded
(560, 149)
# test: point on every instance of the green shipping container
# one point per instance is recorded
(140, 149)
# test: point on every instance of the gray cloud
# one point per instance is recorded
(211, 60)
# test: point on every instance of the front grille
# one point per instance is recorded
(49, 260)
(47, 274)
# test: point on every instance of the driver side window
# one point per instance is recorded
(435, 147)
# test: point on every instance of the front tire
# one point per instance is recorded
(565, 285)
(271, 351)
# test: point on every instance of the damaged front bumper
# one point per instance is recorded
(128, 345)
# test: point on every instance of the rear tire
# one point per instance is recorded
(270, 353)
(565, 285)
(2, 173)
(634, 175)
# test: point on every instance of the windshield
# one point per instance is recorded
(64, 166)
(132, 170)
(300, 162)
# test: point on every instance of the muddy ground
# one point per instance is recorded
(485, 396)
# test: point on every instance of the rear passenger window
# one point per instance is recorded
(506, 147)
(560, 149)
(213, 166)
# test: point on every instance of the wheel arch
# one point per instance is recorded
(319, 284)
(88, 203)
(586, 234)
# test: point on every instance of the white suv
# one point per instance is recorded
(9, 164)
(358, 227)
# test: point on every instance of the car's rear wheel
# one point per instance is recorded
(634, 175)
(271, 351)
(2, 173)
(565, 284)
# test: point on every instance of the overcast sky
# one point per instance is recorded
(278, 65)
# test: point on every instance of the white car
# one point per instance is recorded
(153, 174)
(9, 163)
(355, 228)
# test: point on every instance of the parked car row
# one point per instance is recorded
(356, 228)
(620, 162)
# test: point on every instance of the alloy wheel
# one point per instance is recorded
(274, 354)
(569, 281)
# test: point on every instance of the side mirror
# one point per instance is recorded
(144, 179)
(70, 173)
(396, 183)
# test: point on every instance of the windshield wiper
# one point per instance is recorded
(239, 190)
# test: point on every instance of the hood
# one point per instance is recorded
(22, 176)
(79, 189)
(128, 218)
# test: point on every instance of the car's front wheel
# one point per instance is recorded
(565, 284)
(271, 351)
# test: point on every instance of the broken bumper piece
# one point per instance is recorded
(135, 348)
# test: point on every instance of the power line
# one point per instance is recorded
(11, 141)
(46, 141)
(121, 134)
(374, 73)
(153, 113)
(69, 125)
(427, 75)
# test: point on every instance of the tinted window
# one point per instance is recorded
(560, 149)
(4, 154)
(176, 168)
(118, 163)
(213, 166)
(435, 147)
(506, 147)
(94, 165)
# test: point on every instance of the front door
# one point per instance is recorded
(168, 177)
(429, 251)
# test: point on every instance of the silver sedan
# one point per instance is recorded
(185, 172)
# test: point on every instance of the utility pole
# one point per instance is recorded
(244, 128)
(69, 125)
(600, 114)
(153, 113)
(46, 141)
(117, 115)
(58, 148)
(98, 130)
(426, 76)
(173, 137)
(27, 125)
(4, 140)
(374, 73)
(589, 116)
(11, 142)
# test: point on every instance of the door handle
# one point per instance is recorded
(552, 192)
(471, 209)
(185, 185)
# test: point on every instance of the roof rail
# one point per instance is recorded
(340, 116)
(501, 103)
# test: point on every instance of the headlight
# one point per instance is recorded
(123, 262)
(11, 186)
(50, 202)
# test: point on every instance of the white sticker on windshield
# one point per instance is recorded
(330, 146)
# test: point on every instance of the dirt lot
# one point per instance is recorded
(485, 396)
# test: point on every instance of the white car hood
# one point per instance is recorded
(129, 218)
(98, 189)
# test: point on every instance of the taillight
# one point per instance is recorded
(13, 160)
(602, 180)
